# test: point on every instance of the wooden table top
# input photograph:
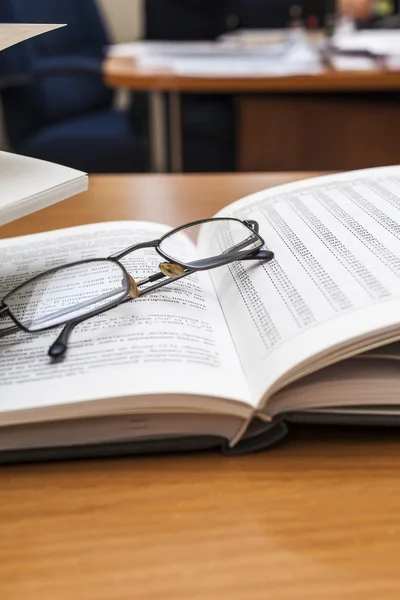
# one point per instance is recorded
(122, 72)
(317, 517)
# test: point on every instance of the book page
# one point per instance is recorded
(356, 386)
(173, 341)
(14, 33)
(334, 280)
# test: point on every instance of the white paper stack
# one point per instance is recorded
(293, 56)
(375, 42)
(28, 184)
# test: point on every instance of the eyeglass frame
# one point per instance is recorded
(59, 347)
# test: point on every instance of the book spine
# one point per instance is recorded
(269, 437)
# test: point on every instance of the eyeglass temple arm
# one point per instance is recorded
(215, 261)
(4, 312)
(60, 346)
(253, 225)
(9, 330)
(265, 255)
(240, 245)
(157, 277)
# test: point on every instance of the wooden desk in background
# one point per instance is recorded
(317, 517)
(328, 121)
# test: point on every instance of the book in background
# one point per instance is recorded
(28, 184)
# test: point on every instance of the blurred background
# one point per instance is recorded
(57, 102)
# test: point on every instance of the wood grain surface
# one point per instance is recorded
(315, 518)
(294, 132)
(162, 198)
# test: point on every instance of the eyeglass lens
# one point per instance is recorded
(229, 236)
(68, 293)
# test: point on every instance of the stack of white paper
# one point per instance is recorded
(219, 59)
(28, 185)
(342, 62)
(225, 67)
(376, 42)
(384, 44)
(142, 50)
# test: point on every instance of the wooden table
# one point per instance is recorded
(283, 122)
(318, 517)
(123, 72)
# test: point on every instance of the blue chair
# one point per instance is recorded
(55, 104)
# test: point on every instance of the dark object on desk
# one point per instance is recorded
(63, 112)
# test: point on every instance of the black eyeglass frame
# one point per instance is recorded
(59, 347)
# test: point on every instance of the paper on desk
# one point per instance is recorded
(162, 53)
(29, 184)
(353, 63)
(254, 37)
(222, 60)
(378, 42)
(392, 63)
(295, 61)
(13, 33)
(244, 68)
(145, 49)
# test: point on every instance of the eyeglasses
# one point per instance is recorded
(73, 293)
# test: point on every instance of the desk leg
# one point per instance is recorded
(158, 134)
(175, 122)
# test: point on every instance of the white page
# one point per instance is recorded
(352, 387)
(335, 276)
(379, 42)
(222, 59)
(13, 33)
(243, 67)
(254, 37)
(142, 49)
(353, 63)
(172, 341)
(28, 184)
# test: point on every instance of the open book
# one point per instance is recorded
(224, 358)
